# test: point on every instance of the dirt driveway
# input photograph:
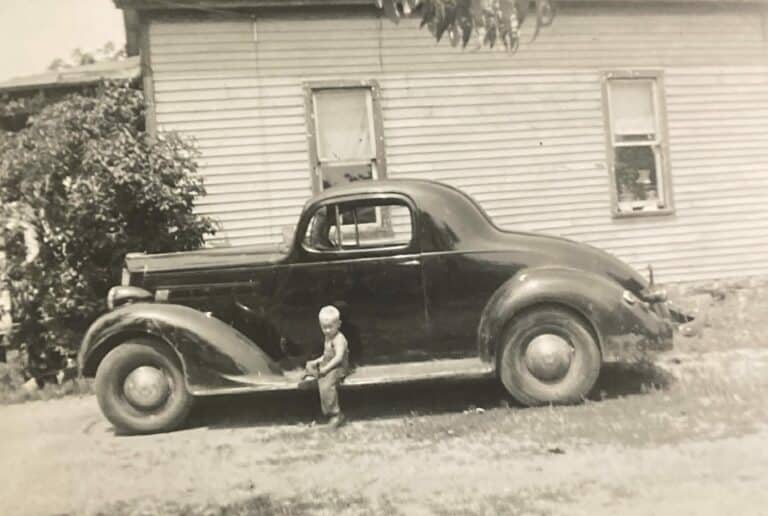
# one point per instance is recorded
(688, 438)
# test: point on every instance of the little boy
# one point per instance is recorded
(330, 368)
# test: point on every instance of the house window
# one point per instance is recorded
(345, 133)
(637, 143)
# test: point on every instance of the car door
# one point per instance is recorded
(362, 256)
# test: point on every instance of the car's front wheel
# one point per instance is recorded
(140, 388)
(548, 356)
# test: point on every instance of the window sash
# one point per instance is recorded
(615, 134)
(655, 141)
(319, 141)
(658, 160)
(638, 143)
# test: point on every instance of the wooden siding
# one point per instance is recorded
(521, 133)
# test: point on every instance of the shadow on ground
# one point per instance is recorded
(619, 379)
(392, 401)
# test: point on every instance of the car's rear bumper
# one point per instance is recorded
(647, 330)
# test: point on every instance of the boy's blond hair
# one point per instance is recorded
(329, 313)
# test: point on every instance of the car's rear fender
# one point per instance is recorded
(209, 349)
(621, 328)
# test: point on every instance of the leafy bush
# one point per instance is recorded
(86, 178)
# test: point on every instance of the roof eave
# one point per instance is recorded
(127, 69)
(144, 5)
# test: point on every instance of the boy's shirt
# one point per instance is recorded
(329, 351)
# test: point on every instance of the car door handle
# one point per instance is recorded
(408, 263)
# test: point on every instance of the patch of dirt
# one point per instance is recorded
(686, 437)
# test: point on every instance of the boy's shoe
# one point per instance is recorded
(336, 421)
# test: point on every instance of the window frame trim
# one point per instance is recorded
(661, 141)
(412, 247)
(379, 165)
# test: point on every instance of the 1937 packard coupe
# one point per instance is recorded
(427, 285)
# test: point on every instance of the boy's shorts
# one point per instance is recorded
(327, 387)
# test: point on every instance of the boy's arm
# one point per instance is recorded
(339, 348)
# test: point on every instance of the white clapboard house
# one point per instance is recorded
(640, 127)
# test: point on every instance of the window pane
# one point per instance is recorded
(343, 174)
(632, 109)
(636, 176)
(392, 229)
(382, 225)
(365, 215)
(343, 125)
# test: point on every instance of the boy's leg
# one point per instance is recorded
(327, 386)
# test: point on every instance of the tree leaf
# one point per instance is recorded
(444, 21)
(428, 14)
(391, 11)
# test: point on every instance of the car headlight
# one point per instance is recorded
(111, 298)
(121, 295)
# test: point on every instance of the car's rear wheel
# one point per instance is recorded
(548, 356)
(140, 388)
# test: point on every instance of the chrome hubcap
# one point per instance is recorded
(146, 387)
(548, 357)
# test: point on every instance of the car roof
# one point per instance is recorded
(413, 188)
(453, 219)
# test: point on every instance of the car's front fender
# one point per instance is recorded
(623, 329)
(211, 351)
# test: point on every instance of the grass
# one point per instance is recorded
(13, 389)
(729, 315)
(528, 502)
(328, 502)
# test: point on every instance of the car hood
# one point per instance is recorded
(544, 250)
(205, 258)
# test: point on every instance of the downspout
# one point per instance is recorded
(148, 84)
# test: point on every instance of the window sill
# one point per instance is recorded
(630, 214)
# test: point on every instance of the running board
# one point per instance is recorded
(459, 368)
(415, 371)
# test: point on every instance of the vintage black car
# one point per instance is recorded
(427, 286)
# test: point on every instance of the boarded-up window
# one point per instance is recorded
(344, 124)
(637, 142)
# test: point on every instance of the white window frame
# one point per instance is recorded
(378, 161)
(659, 145)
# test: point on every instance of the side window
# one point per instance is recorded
(345, 133)
(637, 142)
(353, 226)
